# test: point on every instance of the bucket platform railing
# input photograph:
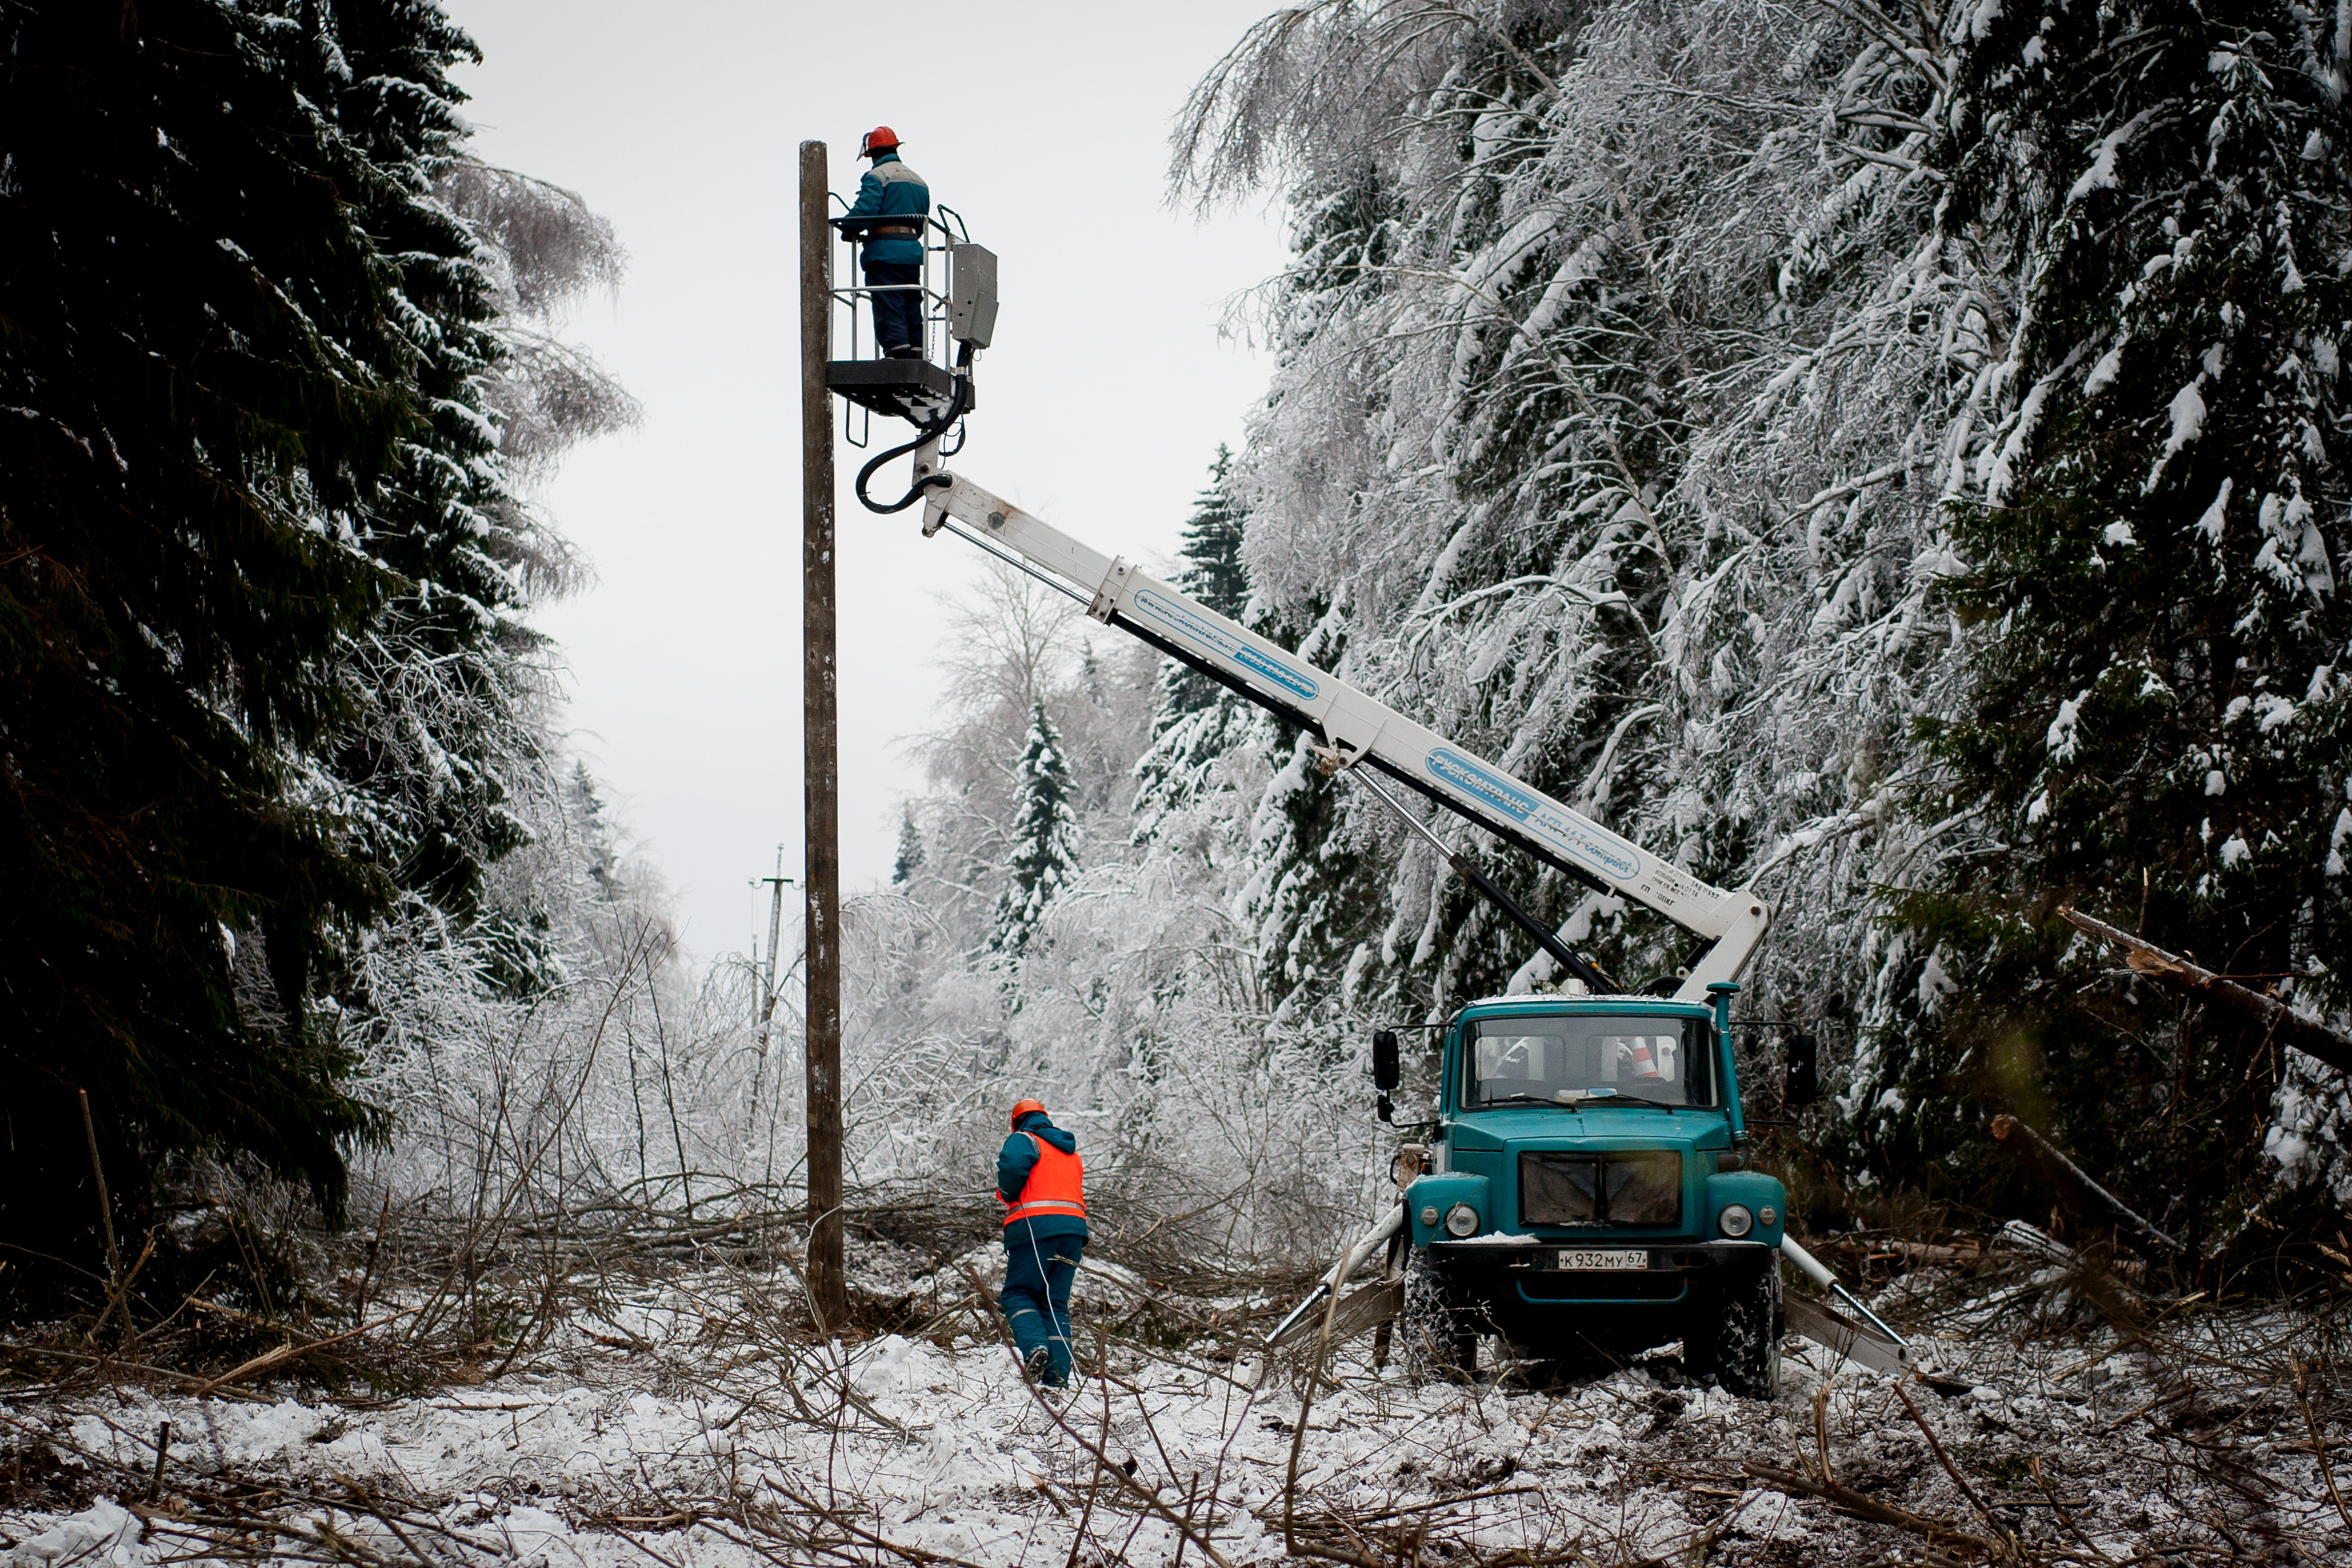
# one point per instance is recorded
(956, 288)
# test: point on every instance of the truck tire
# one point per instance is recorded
(1741, 1348)
(1437, 1344)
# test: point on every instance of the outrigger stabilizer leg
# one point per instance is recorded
(1818, 1272)
(1350, 1261)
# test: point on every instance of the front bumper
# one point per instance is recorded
(1524, 1282)
(1546, 1255)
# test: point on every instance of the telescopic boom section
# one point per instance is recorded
(1365, 731)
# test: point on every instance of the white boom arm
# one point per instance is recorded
(1121, 595)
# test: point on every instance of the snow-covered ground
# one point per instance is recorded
(682, 1439)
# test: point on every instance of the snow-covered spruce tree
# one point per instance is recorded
(1043, 841)
(243, 422)
(2154, 724)
(1197, 725)
(451, 714)
(909, 858)
(1009, 644)
(275, 800)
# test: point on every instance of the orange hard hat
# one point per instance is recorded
(1024, 1107)
(881, 139)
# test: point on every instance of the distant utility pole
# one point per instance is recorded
(765, 990)
(828, 1282)
(771, 988)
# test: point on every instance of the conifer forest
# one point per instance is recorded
(1887, 457)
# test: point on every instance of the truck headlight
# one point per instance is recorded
(1460, 1219)
(1735, 1219)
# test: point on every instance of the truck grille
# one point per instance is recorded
(1641, 1186)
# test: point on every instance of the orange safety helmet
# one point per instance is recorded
(881, 139)
(1024, 1108)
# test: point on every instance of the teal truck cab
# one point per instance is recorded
(1585, 1196)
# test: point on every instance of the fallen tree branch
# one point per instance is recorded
(1853, 1503)
(2286, 1025)
(2009, 1128)
(287, 1351)
(1935, 1445)
(1118, 1477)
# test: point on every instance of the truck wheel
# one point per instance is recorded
(1437, 1345)
(1743, 1351)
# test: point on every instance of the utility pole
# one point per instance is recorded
(828, 1282)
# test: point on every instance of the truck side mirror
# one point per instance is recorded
(1386, 1072)
(1804, 1084)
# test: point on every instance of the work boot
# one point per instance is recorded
(904, 351)
(1037, 1364)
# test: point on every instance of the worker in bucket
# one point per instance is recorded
(1042, 1184)
(898, 202)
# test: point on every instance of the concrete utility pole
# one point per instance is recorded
(772, 987)
(828, 1282)
(766, 987)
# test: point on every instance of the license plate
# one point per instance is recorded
(1583, 1259)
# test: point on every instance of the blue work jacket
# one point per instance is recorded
(890, 189)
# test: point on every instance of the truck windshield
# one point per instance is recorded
(1588, 1060)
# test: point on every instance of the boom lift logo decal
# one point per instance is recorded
(1215, 640)
(1451, 768)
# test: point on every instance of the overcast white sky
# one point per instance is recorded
(1102, 402)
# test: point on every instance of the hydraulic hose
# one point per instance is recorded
(929, 430)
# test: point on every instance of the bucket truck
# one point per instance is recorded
(1585, 1188)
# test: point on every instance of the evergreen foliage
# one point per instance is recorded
(909, 858)
(1196, 723)
(1044, 855)
(1214, 573)
(259, 572)
(2154, 725)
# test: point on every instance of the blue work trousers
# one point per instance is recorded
(898, 313)
(1037, 1277)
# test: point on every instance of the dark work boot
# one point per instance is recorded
(1037, 1363)
(904, 351)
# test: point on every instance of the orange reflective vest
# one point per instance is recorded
(1056, 1185)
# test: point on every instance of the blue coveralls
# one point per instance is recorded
(1041, 1254)
(891, 190)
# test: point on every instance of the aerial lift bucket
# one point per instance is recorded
(957, 293)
